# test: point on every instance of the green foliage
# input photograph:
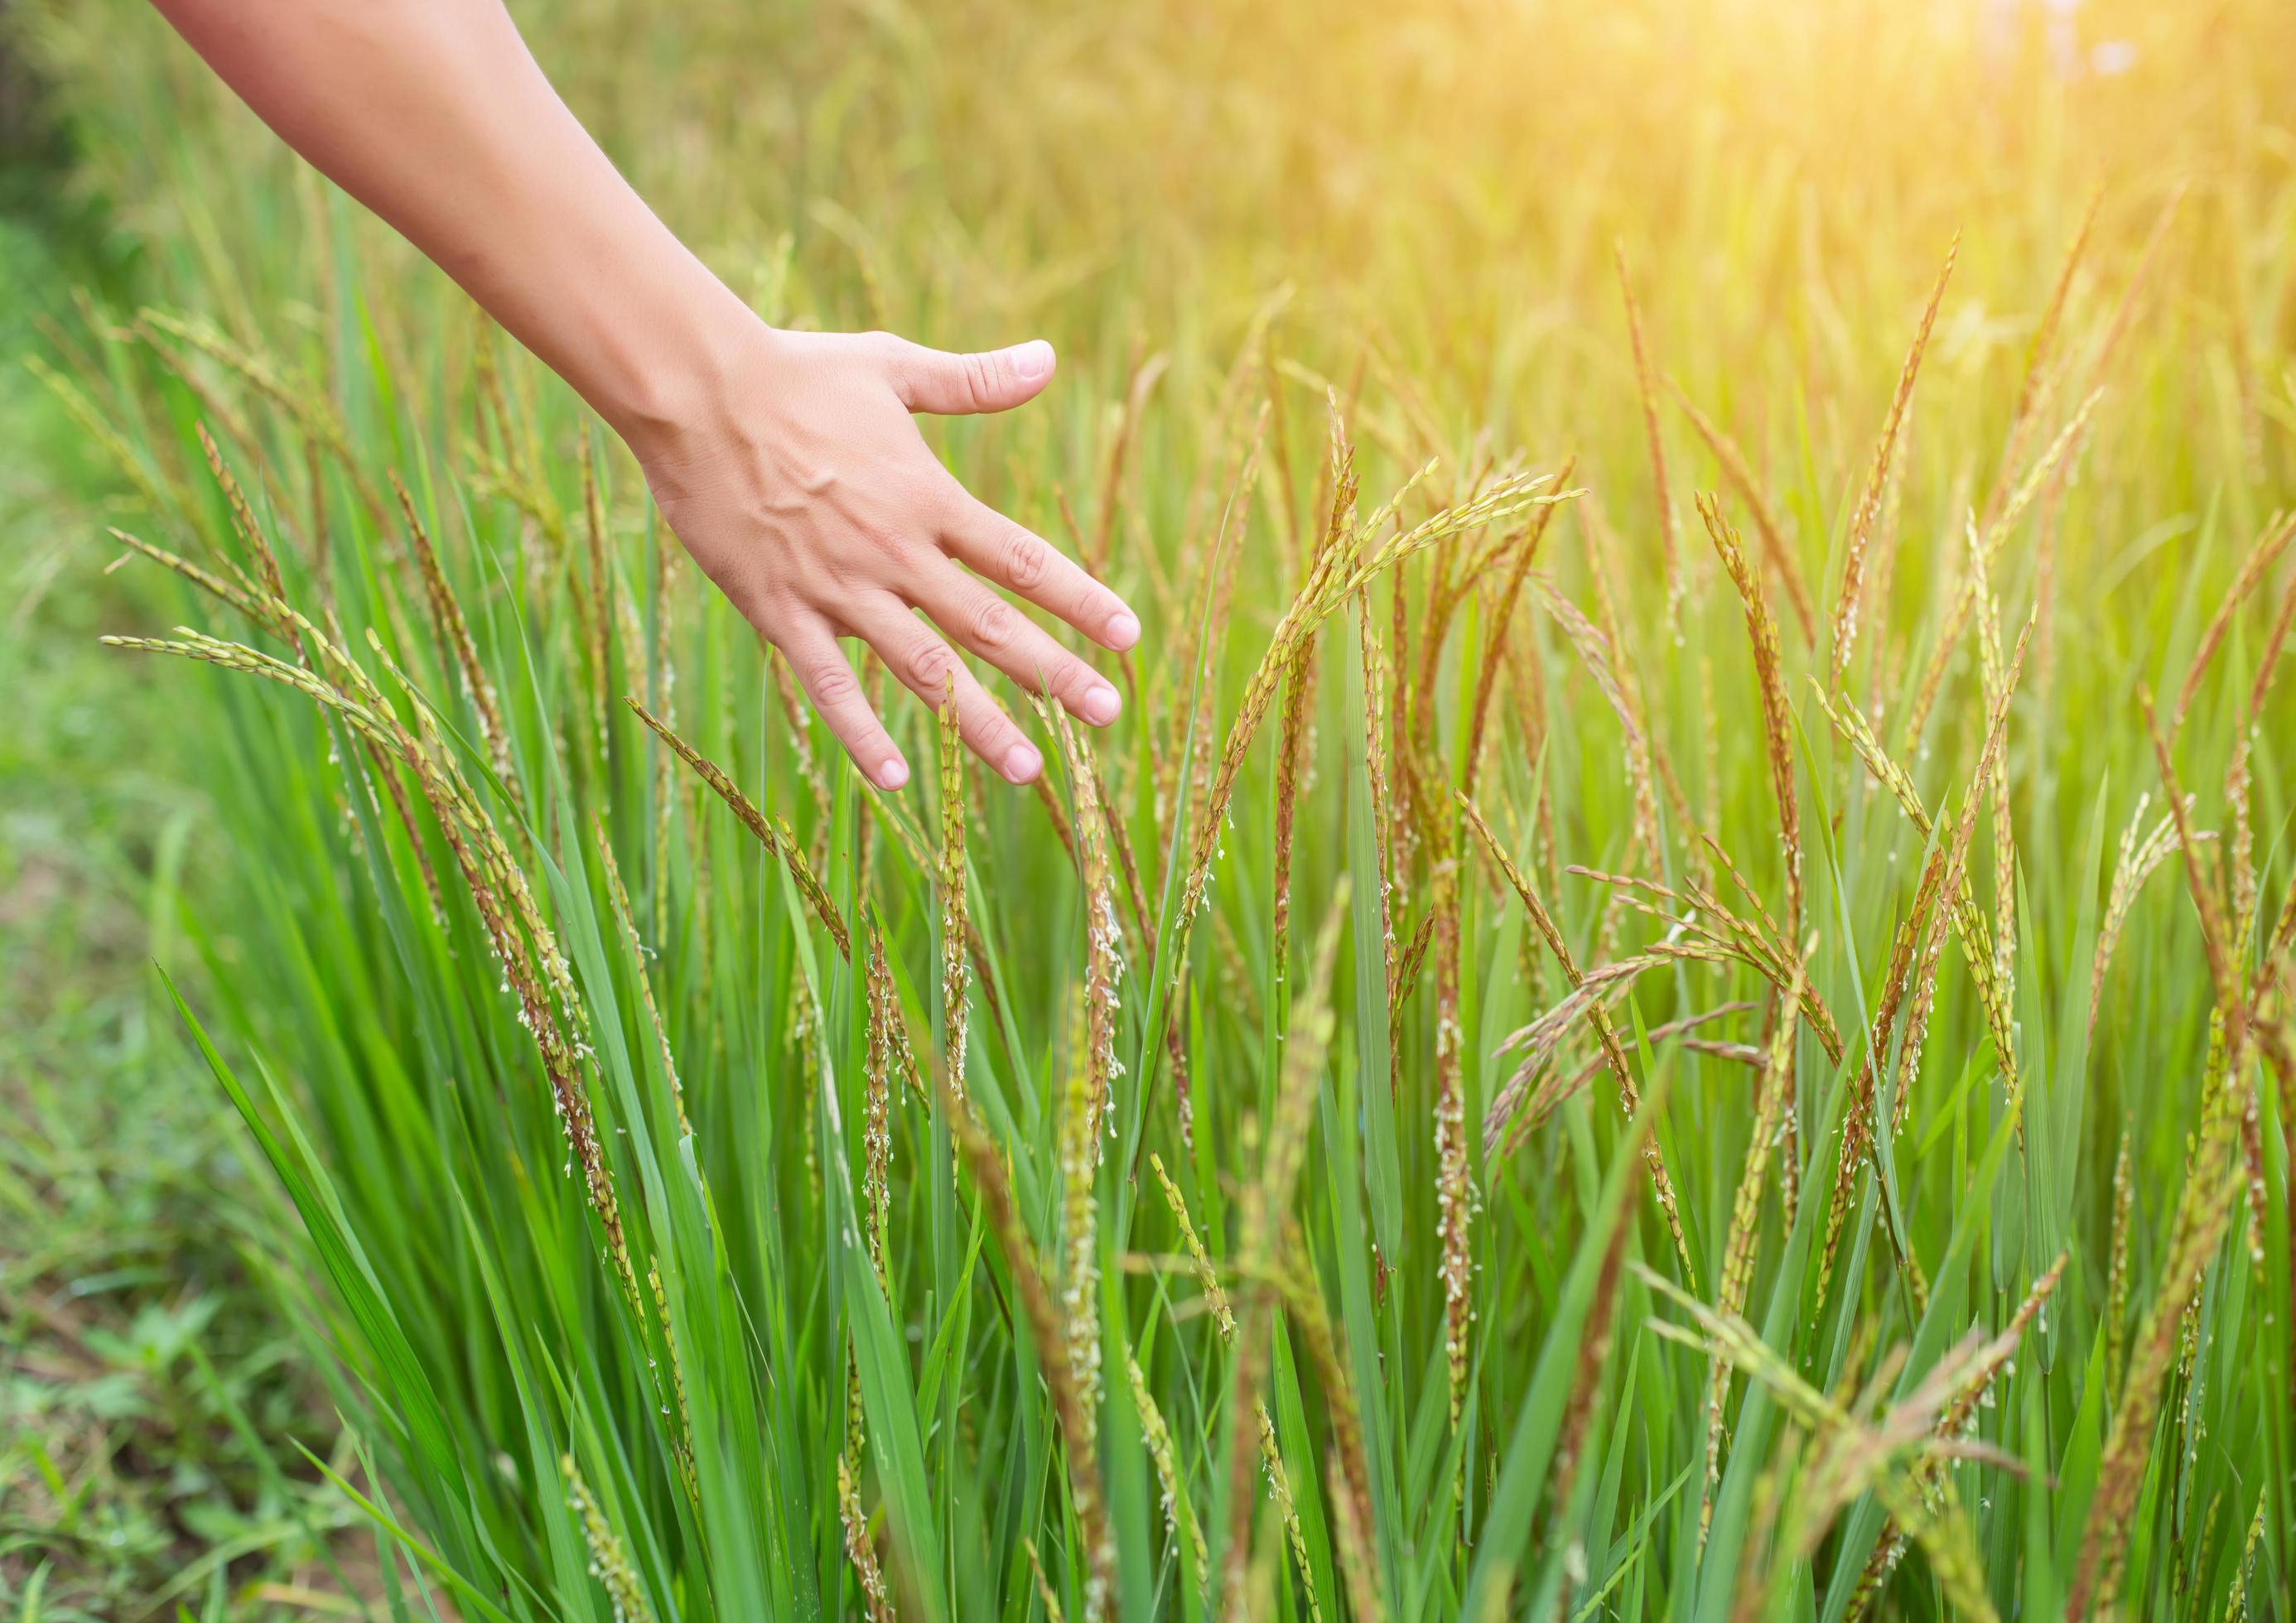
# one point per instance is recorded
(654, 1283)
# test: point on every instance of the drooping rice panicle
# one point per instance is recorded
(1080, 1271)
(2054, 461)
(1851, 598)
(1595, 650)
(248, 530)
(2034, 388)
(609, 1558)
(950, 877)
(1932, 1516)
(1455, 1189)
(1293, 732)
(2274, 539)
(1606, 1036)
(2004, 845)
(877, 1108)
(2115, 1312)
(1525, 552)
(1179, 1517)
(1207, 1276)
(774, 836)
(1776, 548)
(1969, 924)
(310, 409)
(523, 947)
(876, 1596)
(455, 633)
(672, 1401)
(1973, 1373)
(1776, 718)
(2137, 862)
(1669, 528)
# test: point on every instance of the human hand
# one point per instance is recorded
(800, 484)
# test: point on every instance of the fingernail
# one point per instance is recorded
(893, 774)
(1021, 763)
(1031, 360)
(1101, 705)
(1123, 631)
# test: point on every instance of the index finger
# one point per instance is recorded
(1015, 557)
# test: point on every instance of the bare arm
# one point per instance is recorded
(787, 462)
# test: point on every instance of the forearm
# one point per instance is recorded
(787, 462)
(433, 114)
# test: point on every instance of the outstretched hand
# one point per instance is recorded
(786, 461)
(807, 494)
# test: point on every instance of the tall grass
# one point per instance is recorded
(1583, 1049)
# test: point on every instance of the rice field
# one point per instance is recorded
(1675, 995)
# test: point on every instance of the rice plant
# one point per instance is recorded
(1682, 1007)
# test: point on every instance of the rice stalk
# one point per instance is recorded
(1861, 1124)
(1775, 1086)
(2204, 1210)
(1974, 1373)
(1598, 1019)
(1264, 1201)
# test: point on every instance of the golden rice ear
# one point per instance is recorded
(2270, 544)
(454, 632)
(2053, 463)
(954, 920)
(1606, 1035)
(1775, 545)
(2037, 386)
(1869, 504)
(1777, 720)
(1669, 527)
(776, 837)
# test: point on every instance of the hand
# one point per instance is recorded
(804, 491)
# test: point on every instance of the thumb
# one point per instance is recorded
(993, 380)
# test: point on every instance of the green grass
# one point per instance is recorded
(148, 1380)
(1485, 1359)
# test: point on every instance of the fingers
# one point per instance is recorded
(993, 545)
(829, 682)
(974, 617)
(993, 380)
(916, 655)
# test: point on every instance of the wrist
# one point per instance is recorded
(684, 358)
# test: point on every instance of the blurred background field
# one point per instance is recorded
(1423, 208)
